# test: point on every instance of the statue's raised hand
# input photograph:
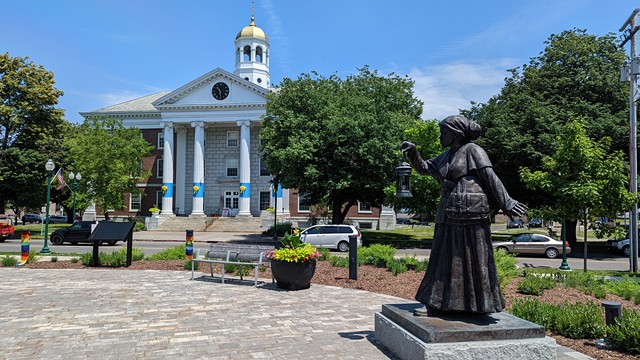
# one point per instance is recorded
(407, 146)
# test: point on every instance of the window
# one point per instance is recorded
(134, 201)
(232, 167)
(247, 53)
(232, 138)
(259, 54)
(263, 168)
(159, 168)
(159, 199)
(303, 206)
(160, 144)
(364, 207)
(231, 199)
(265, 200)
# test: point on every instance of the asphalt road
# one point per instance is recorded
(595, 261)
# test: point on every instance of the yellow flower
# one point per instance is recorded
(243, 188)
(165, 188)
(196, 188)
(296, 231)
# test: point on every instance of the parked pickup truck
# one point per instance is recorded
(6, 227)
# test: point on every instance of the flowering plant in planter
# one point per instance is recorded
(293, 249)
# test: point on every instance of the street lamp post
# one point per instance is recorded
(563, 238)
(74, 186)
(49, 166)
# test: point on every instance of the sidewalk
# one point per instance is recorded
(111, 314)
(198, 236)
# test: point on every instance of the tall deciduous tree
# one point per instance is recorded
(337, 139)
(577, 74)
(109, 157)
(31, 130)
(585, 178)
(425, 189)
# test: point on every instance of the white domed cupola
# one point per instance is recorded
(252, 55)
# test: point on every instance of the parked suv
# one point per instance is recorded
(31, 218)
(78, 232)
(515, 223)
(330, 236)
(57, 219)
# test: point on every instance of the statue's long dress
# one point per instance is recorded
(462, 276)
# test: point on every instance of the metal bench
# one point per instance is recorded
(234, 254)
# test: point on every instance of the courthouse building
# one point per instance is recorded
(206, 133)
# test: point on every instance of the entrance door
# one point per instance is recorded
(231, 202)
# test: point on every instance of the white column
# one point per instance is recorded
(181, 169)
(244, 168)
(167, 170)
(198, 170)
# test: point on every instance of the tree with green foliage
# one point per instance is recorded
(585, 178)
(577, 75)
(425, 134)
(337, 139)
(31, 130)
(109, 158)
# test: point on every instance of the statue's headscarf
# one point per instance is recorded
(462, 126)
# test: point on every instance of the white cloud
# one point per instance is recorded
(447, 88)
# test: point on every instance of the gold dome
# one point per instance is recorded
(252, 31)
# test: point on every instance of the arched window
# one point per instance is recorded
(247, 53)
(259, 54)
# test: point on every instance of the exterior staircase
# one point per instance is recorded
(213, 224)
(236, 224)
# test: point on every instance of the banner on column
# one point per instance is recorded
(24, 246)
(188, 250)
(167, 190)
(245, 190)
(198, 189)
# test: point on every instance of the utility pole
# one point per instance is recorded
(629, 30)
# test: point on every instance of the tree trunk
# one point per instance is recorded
(585, 242)
(340, 212)
(570, 233)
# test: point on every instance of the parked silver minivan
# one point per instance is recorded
(330, 236)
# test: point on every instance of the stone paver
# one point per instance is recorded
(136, 314)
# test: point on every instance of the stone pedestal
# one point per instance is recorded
(464, 336)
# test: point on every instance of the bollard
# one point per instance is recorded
(188, 249)
(612, 312)
(353, 257)
(24, 246)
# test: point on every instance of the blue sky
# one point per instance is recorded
(103, 52)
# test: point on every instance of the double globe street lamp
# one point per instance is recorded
(75, 179)
(49, 166)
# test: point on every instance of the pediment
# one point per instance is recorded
(198, 93)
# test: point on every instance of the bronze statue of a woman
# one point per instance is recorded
(462, 276)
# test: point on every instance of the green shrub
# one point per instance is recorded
(625, 334)
(9, 260)
(279, 230)
(626, 288)
(243, 270)
(535, 285)
(114, 259)
(230, 268)
(75, 260)
(139, 226)
(54, 259)
(396, 266)
(376, 254)
(580, 321)
(535, 311)
(187, 265)
(324, 254)
(174, 253)
(338, 261)
(34, 255)
(422, 266)
(506, 266)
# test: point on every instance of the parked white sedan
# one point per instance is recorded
(330, 236)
